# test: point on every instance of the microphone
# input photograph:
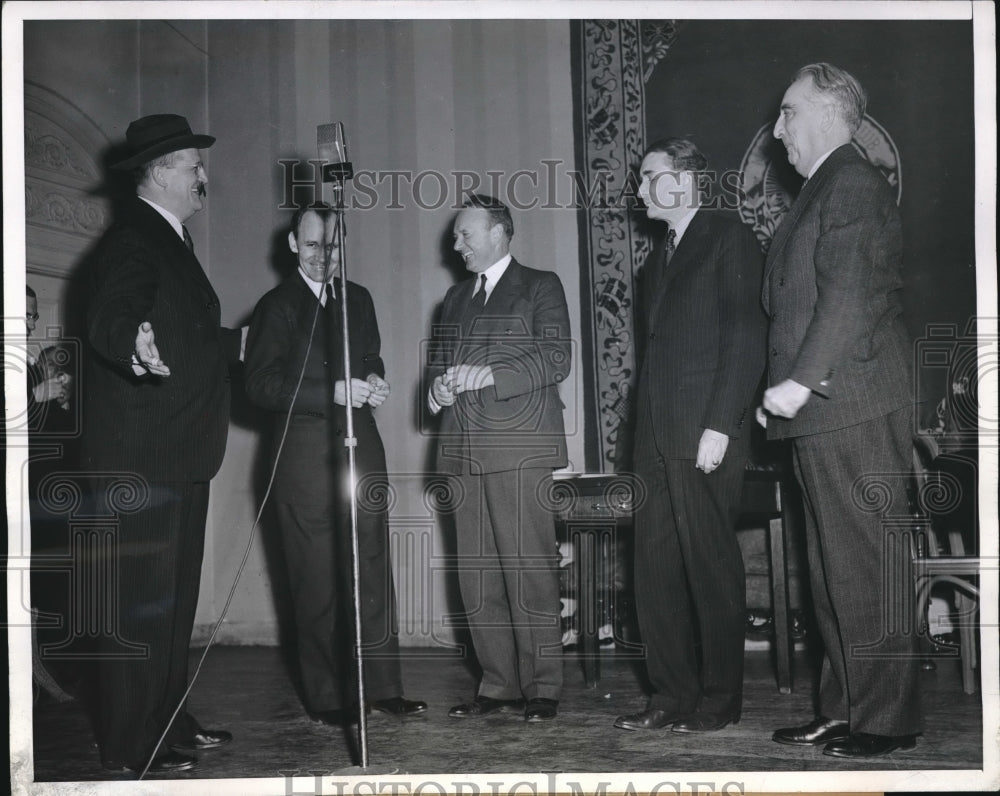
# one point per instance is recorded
(332, 145)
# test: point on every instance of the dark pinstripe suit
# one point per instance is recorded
(831, 288)
(702, 362)
(171, 433)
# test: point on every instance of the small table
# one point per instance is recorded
(593, 511)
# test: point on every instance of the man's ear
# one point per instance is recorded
(292, 243)
(154, 177)
(830, 114)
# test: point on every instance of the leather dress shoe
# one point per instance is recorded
(168, 763)
(704, 721)
(650, 719)
(335, 718)
(398, 706)
(483, 706)
(202, 740)
(820, 730)
(541, 709)
(863, 744)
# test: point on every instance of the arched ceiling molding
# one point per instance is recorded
(65, 211)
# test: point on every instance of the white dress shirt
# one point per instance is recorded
(317, 287)
(492, 274)
(170, 217)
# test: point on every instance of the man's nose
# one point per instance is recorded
(779, 128)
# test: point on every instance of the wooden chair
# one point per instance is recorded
(955, 568)
(768, 495)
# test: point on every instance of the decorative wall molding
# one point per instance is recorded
(65, 211)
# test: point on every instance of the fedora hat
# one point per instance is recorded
(152, 136)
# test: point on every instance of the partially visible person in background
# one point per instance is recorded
(43, 385)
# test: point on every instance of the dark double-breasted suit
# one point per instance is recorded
(832, 290)
(502, 443)
(701, 364)
(310, 485)
(154, 443)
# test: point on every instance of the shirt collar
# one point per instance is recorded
(493, 274)
(317, 287)
(820, 160)
(680, 227)
(167, 215)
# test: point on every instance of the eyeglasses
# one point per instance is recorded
(31, 316)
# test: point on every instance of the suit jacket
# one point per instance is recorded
(703, 336)
(164, 429)
(314, 456)
(832, 290)
(523, 334)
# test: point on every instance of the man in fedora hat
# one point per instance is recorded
(158, 427)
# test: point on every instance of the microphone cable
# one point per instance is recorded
(256, 522)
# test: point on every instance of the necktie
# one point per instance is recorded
(479, 300)
(187, 239)
(669, 246)
(328, 289)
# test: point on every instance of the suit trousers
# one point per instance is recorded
(317, 546)
(690, 584)
(159, 555)
(509, 580)
(857, 539)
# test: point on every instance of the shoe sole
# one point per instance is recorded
(637, 728)
(822, 742)
(401, 715)
(476, 715)
(642, 729)
(516, 709)
(136, 771)
(689, 731)
(173, 770)
(904, 747)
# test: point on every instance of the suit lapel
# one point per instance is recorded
(685, 256)
(179, 257)
(507, 290)
(805, 197)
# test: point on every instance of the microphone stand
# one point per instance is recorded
(338, 173)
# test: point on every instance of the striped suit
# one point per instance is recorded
(831, 288)
(171, 434)
(702, 362)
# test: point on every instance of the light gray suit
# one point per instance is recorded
(502, 444)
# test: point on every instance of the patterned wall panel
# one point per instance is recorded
(615, 59)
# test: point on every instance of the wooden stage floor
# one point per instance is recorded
(250, 692)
